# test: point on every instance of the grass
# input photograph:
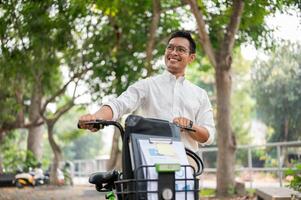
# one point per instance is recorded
(207, 192)
(251, 192)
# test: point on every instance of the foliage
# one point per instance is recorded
(207, 192)
(8, 106)
(16, 159)
(242, 104)
(253, 28)
(259, 157)
(34, 34)
(69, 138)
(14, 156)
(295, 172)
(229, 24)
(201, 74)
(277, 91)
(90, 147)
(124, 30)
(38, 37)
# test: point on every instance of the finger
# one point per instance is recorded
(94, 129)
(82, 125)
(176, 120)
(186, 122)
(83, 118)
(181, 121)
(87, 117)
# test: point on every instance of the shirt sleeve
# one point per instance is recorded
(129, 100)
(205, 118)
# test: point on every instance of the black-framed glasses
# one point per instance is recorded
(179, 49)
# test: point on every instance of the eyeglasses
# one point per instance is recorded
(179, 49)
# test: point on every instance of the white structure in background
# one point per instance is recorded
(258, 132)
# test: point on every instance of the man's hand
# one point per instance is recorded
(198, 133)
(183, 122)
(87, 118)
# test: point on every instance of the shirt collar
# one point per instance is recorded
(170, 76)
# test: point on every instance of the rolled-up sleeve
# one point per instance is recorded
(129, 100)
(205, 118)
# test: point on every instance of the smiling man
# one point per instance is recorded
(168, 96)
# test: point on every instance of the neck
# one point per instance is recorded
(177, 75)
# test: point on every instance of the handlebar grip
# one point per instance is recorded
(79, 126)
(97, 124)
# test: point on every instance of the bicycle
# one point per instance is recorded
(134, 182)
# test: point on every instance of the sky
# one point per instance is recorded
(288, 28)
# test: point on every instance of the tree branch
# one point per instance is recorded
(204, 37)
(15, 125)
(63, 110)
(19, 99)
(152, 35)
(62, 90)
(232, 28)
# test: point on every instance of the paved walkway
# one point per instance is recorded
(77, 192)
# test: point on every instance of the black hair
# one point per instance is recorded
(187, 35)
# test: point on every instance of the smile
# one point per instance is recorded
(174, 59)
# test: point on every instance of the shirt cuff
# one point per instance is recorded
(114, 110)
(210, 139)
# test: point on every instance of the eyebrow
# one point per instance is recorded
(178, 46)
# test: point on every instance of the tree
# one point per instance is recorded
(131, 31)
(25, 31)
(222, 25)
(242, 102)
(277, 86)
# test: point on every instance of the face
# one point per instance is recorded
(178, 56)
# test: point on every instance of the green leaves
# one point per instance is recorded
(295, 173)
(277, 86)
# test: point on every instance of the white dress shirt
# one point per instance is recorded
(166, 97)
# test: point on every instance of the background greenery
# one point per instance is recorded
(55, 52)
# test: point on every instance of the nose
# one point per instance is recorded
(174, 51)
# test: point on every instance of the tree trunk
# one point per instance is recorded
(1, 164)
(35, 133)
(152, 35)
(286, 128)
(1, 156)
(226, 139)
(115, 157)
(57, 156)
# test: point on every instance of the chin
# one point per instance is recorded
(172, 70)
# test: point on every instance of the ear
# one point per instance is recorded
(191, 57)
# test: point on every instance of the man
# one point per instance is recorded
(168, 96)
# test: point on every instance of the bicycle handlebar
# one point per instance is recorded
(100, 124)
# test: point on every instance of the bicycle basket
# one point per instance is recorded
(185, 187)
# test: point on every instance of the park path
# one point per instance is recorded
(77, 192)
